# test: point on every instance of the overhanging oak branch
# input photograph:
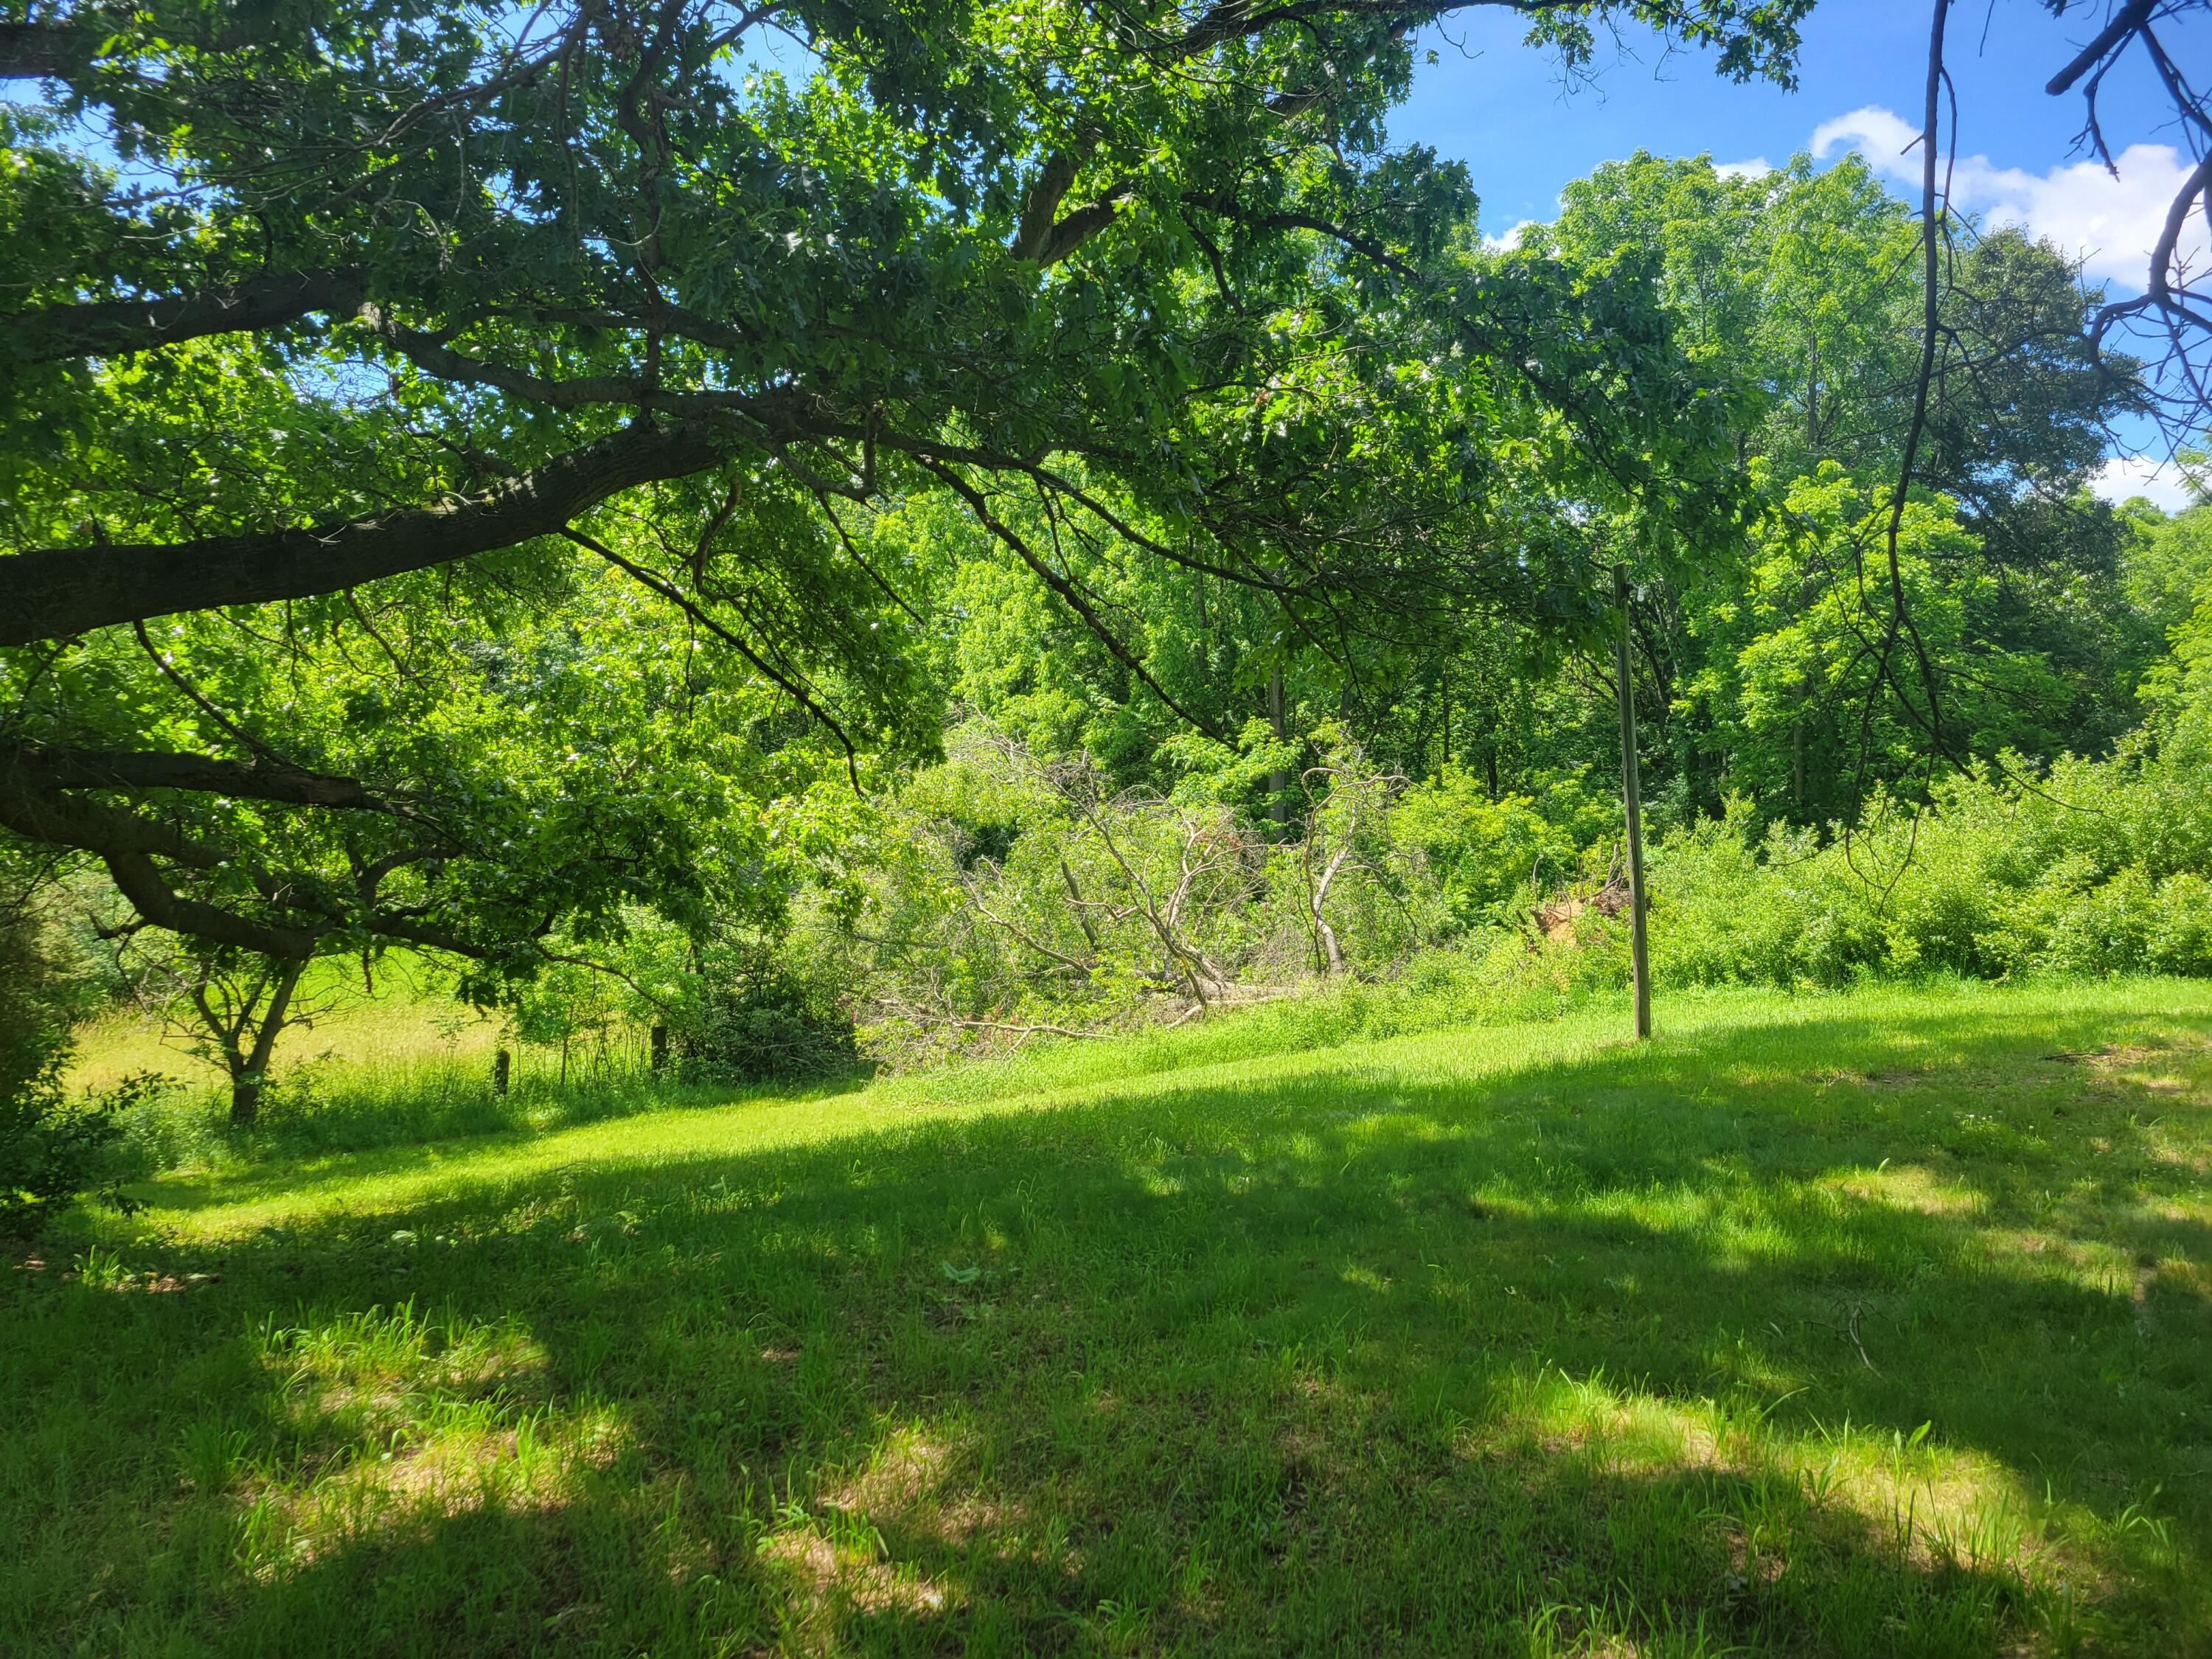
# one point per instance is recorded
(91, 768)
(55, 592)
(108, 327)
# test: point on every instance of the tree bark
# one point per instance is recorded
(53, 592)
(48, 768)
(43, 52)
(112, 327)
(250, 1071)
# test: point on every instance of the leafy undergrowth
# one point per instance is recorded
(1854, 1325)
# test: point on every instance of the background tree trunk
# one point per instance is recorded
(249, 1071)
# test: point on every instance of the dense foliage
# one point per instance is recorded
(349, 350)
(50, 1146)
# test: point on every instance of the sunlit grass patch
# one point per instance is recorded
(1938, 1507)
(381, 1422)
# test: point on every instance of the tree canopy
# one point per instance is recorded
(345, 335)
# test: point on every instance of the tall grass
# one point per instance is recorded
(404, 1068)
(412, 1067)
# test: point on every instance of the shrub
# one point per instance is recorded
(2003, 875)
(763, 1025)
(50, 1149)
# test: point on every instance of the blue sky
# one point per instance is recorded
(1490, 102)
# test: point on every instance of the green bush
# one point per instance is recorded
(764, 1026)
(2094, 869)
(51, 1149)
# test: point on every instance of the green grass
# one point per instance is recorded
(408, 1064)
(1878, 1324)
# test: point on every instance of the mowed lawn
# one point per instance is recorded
(1878, 1324)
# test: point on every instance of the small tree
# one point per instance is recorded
(225, 1007)
(239, 1009)
(1347, 828)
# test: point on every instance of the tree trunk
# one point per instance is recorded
(1327, 950)
(1639, 951)
(248, 1071)
(245, 1098)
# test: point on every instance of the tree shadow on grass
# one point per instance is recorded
(1346, 1360)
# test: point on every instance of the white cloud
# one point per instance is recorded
(2111, 223)
(1511, 239)
(2143, 474)
(1882, 136)
(1757, 167)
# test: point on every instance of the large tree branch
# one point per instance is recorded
(385, 925)
(52, 592)
(1236, 20)
(137, 879)
(104, 328)
(1041, 207)
(87, 768)
(129, 843)
(2124, 23)
(1043, 234)
(1071, 232)
(92, 826)
(44, 51)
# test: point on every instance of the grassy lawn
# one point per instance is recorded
(1867, 1325)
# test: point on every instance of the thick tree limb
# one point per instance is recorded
(52, 333)
(92, 826)
(43, 52)
(128, 844)
(1235, 20)
(435, 358)
(53, 592)
(1042, 207)
(137, 879)
(88, 769)
(1071, 232)
(2126, 21)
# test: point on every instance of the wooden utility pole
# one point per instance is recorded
(1279, 783)
(1630, 797)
